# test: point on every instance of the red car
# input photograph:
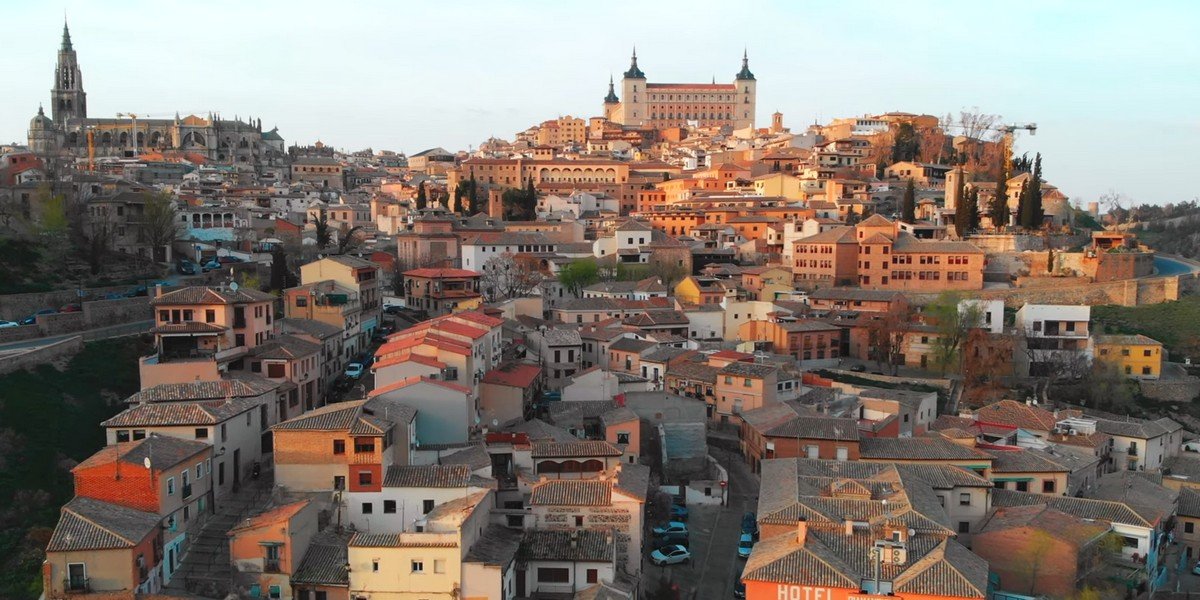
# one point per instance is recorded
(71, 308)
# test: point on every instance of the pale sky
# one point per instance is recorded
(1113, 86)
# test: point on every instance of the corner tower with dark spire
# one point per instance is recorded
(67, 98)
(747, 95)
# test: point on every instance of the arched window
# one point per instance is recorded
(106, 138)
(141, 138)
(592, 466)
(548, 466)
(124, 139)
(571, 466)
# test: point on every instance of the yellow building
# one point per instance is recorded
(1135, 356)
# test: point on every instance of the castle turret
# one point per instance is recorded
(746, 95)
(633, 91)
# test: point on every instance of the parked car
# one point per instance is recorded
(73, 307)
(668, 539)
(1196, 569)
(393, 309)
(1192, 446)
(114, 296)
(679, 513)
(672, 527)
(354, 370)
(31, 319)
(750, 525)
(6, 324)
(858, 368)
(229, 260)
(137, 291)
(185, 267)
(211, 265)
(745, 545)
(670, 555)
(739, 589)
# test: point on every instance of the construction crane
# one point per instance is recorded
(133, 117)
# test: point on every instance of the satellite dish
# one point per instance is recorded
(233, 286)
(146, 461)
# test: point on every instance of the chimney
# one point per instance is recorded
(574, 539)
(158, 290)
(801, 531)
(849, 527)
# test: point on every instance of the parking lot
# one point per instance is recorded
(713, 537)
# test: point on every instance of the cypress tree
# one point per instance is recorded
(908, 210)
(1000, 202)
(421, 199)
(1025, 207)
(473, 195)
(960, 209)
(1035, 193)
(973, 210)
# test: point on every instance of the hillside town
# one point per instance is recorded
(667, 352)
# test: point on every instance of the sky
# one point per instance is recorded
(1112, 86)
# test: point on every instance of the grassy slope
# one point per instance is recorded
(48, 420)
(1175, 324)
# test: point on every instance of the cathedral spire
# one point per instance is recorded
(611, 98)
(634, 71)
(745, 72)
(66, 39)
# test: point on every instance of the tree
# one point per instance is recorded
(953, 324)
(510, 276)
(279, 271)
(579, 274)
(907, 145)
(349, 238)
(908, 210)
(323, 230)
(159, 227)
(1024, 207)
(520, 204)
(884, 339)
(422, 199)
(1039, 547)
(53, 227)
(1000, 202)
(1035, 194)
(973, 210)
(473, 196)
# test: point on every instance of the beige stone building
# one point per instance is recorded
(665, 105)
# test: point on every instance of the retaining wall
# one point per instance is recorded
(41, 355)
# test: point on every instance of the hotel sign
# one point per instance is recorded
(805, 592)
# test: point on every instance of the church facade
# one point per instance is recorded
(65, 133)
(664, 105)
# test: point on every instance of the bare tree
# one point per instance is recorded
(158, 227)
(349, 238)
(510, 276)
(885, 338)
(973, 124)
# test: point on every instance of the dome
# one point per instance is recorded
(41, 121)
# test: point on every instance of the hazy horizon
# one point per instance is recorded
(1112, 89)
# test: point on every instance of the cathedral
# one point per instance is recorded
(664, 105)
(65, 133)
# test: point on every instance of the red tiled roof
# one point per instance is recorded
(522, 375)
(415, 380)
(276, 515)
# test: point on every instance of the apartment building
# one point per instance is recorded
(200, 332)
(99, 547)
(1134, 356)
(1053, 339)
(442, 291)
(459, 348)
(360, 276)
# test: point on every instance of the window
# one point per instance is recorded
(199, 470)
(1022, 486)
(364, 445)
(389, 507)
(593, 575)
(210, 315)
(367, 508)
(1189, 527)
(339, 446)
(1145, 370)
(964, 527)
(843, 453)
(339, 482)
(76, 576)
(201, 433)
(553, 575)
(1048, 486)
(275, 591)
(439, 566)
(427, 506)
(139, 434)
(418, 566)
(623, 437)
(375, 565)
(964, 499)
(579, 521)
(170, 486)
(122, 435)
(364, 478)
(812, 451)
(746, 382)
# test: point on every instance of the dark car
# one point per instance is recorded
(679, 513)
(137, 291)
(750, 524)
(31, 319)
(666, 539)
(114, 296)
(858, 368)
(73, 307)
(739, 589)
(185, 267)
(392, 309)
(229, 260)
(211, 265)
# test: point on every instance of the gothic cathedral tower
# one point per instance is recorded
(67, 99)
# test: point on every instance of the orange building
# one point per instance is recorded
(268, 548)
(778, 431)
(802, 340)
(442, 291)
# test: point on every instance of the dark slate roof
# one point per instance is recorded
(746, 369)
(497, 546)
(285, 347)
(577, 545)
(918, 449)
(818, 428)
(577, 448)
(324, 564)
(240, 387)
(87, 524)
(1024, 460)
(207, 295)
(427, 476)
(1087, 508)
(1189, 502)
(1138, 428)
(571, 492)
(630, 345)
(181, 413)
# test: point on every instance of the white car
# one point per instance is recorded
(1188, 447)
(4, 324)
(670, 555)
(354, 370)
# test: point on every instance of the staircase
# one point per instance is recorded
(205, 569)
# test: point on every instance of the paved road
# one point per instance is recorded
(89, 335)
(714, 532)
